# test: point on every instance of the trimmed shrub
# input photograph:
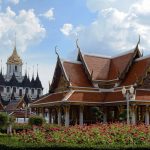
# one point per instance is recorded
(36, 120)
(4, 120)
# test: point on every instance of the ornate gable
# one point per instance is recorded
(59, 81)
(145, 81)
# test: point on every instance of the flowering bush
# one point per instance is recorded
(97, 134)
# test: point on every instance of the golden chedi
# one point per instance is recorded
(14, 58)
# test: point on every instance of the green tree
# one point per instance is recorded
(36, 120)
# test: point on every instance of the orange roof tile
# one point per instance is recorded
(136, 71)
(50, 98)
(114, 96)
(76, 74)
(119, 64)
(142, 95)
(99, 66)
(80, 96)
(107, 68)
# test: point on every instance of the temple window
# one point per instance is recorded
(20, 92)
(8, 89)
(39, 91)
(14, 89)
(1, 89)
(27, 90)
(15, 68)
(32, 91)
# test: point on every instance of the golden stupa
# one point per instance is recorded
(14, 58)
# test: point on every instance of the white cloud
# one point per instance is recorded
(26, 25)
(14, 1)
(116, 27)
(67, 29)
(142, 7)
(49, 14)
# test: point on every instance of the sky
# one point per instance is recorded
(105, 27)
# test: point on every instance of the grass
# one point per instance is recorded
(11, 142)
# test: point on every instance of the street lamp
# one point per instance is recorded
(26, 106)
(129, 94)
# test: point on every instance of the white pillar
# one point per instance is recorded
(81, 115)
(66, 116)
(59, 115)
(133, 114)
(49, 115)
(133, 118)
(147, 115)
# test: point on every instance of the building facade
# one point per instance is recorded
(14, 85)
(98, 88)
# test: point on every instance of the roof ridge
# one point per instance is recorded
(97, 55)
(70, 61)
(110, 57)
(142, 58)
(123, 53)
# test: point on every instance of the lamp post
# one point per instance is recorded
(26, 106)
(128, 93)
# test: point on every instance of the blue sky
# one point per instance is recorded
(103, 27)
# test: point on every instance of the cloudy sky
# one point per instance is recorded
(106, 27)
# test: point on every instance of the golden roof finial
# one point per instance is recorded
(14, 58)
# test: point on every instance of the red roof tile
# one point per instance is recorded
(79, 96)
(76, 74)
(136, 71)
(114, 96)
(50, 98)
(142, 95)
(99, 66)
(108, 68)
(119, 65)
(21, 114)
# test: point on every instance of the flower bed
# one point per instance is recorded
(97, 134)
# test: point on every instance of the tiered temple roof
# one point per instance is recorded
(99, 79)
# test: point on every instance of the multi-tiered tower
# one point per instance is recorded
(14, 85)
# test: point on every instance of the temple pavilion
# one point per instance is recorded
(98, 88)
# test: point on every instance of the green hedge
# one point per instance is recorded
(36, 120)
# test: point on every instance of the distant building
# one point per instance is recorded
(17, 91)
(14, 85)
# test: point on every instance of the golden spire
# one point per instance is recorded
(14, 58)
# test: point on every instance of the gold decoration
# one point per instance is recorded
(14, 58)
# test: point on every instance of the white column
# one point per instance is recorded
(133, 115)
(52, 116)
(133, 118)
(147, 115)
(59, 115)
(81, 115)
(67, 116)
